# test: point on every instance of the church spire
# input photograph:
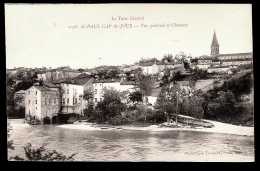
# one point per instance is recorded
(214, 40)
(214, 45)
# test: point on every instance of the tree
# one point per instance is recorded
(112, 74)
(102, 74)
(136, 96)
(145, 60)
(223, 104)
(146, 85)
(25, 84)
(81, 70)
(168, 58)
(88, 95)
(111, 105)
(167, 100)
(10, 81)
(20, 74)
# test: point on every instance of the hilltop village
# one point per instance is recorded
(150, 90)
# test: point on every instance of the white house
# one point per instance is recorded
(72, 98)
(99, 85)
(149, 68)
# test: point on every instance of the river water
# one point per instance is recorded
(133, 145)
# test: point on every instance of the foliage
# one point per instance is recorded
(166, 102)
(145, 60)
(108, 74)
(146, 85)
(80, 70)
(10, 81)
(192, 106)
(9, 142)
(111, 104)
(116, 120)
(136, 96)
(168, 58)
(25, 84)
(223, 104)
(198, 74)
(88, 95)
(39, 155)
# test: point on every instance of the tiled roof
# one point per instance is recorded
(50, 85)
(106, 81)
(41, 88)
(20, 92)
(235, 54)
(185, 83)
(127, 83)
(147, 64)
(211, 67)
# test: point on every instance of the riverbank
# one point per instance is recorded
(218, 128)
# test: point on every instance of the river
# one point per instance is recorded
(133, 145)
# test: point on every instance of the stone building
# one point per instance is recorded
(42, 102)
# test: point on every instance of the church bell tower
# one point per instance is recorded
(214, 45)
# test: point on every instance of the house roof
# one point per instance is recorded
(82, 81)
(107, 81)
(50, 85)
(127, 83)
(205, 58)
(146, 64)
(20, 92)
(183, 83)
(211, 67)
(235, 54)
(41, 88)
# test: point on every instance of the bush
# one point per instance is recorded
(116, 120)
(39, 155)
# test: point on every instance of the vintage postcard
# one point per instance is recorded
(129, 82)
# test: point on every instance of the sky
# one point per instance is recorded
(54, 35)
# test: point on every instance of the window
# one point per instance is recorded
(100, 99)
(68, 100)
(49, 100)
(95, 99)
(68, 91)
(54, 100)
(28, 92)
(75, 100)
(36, 92)
(29, 112)
(35, 101)
(45, 99)
(29, 101)
(36, 108)
(95, 91)
(95, 84)
(63, 101)
(99, 84)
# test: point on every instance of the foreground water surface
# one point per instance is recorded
(129, 145)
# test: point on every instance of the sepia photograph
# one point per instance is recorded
(129, 82)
